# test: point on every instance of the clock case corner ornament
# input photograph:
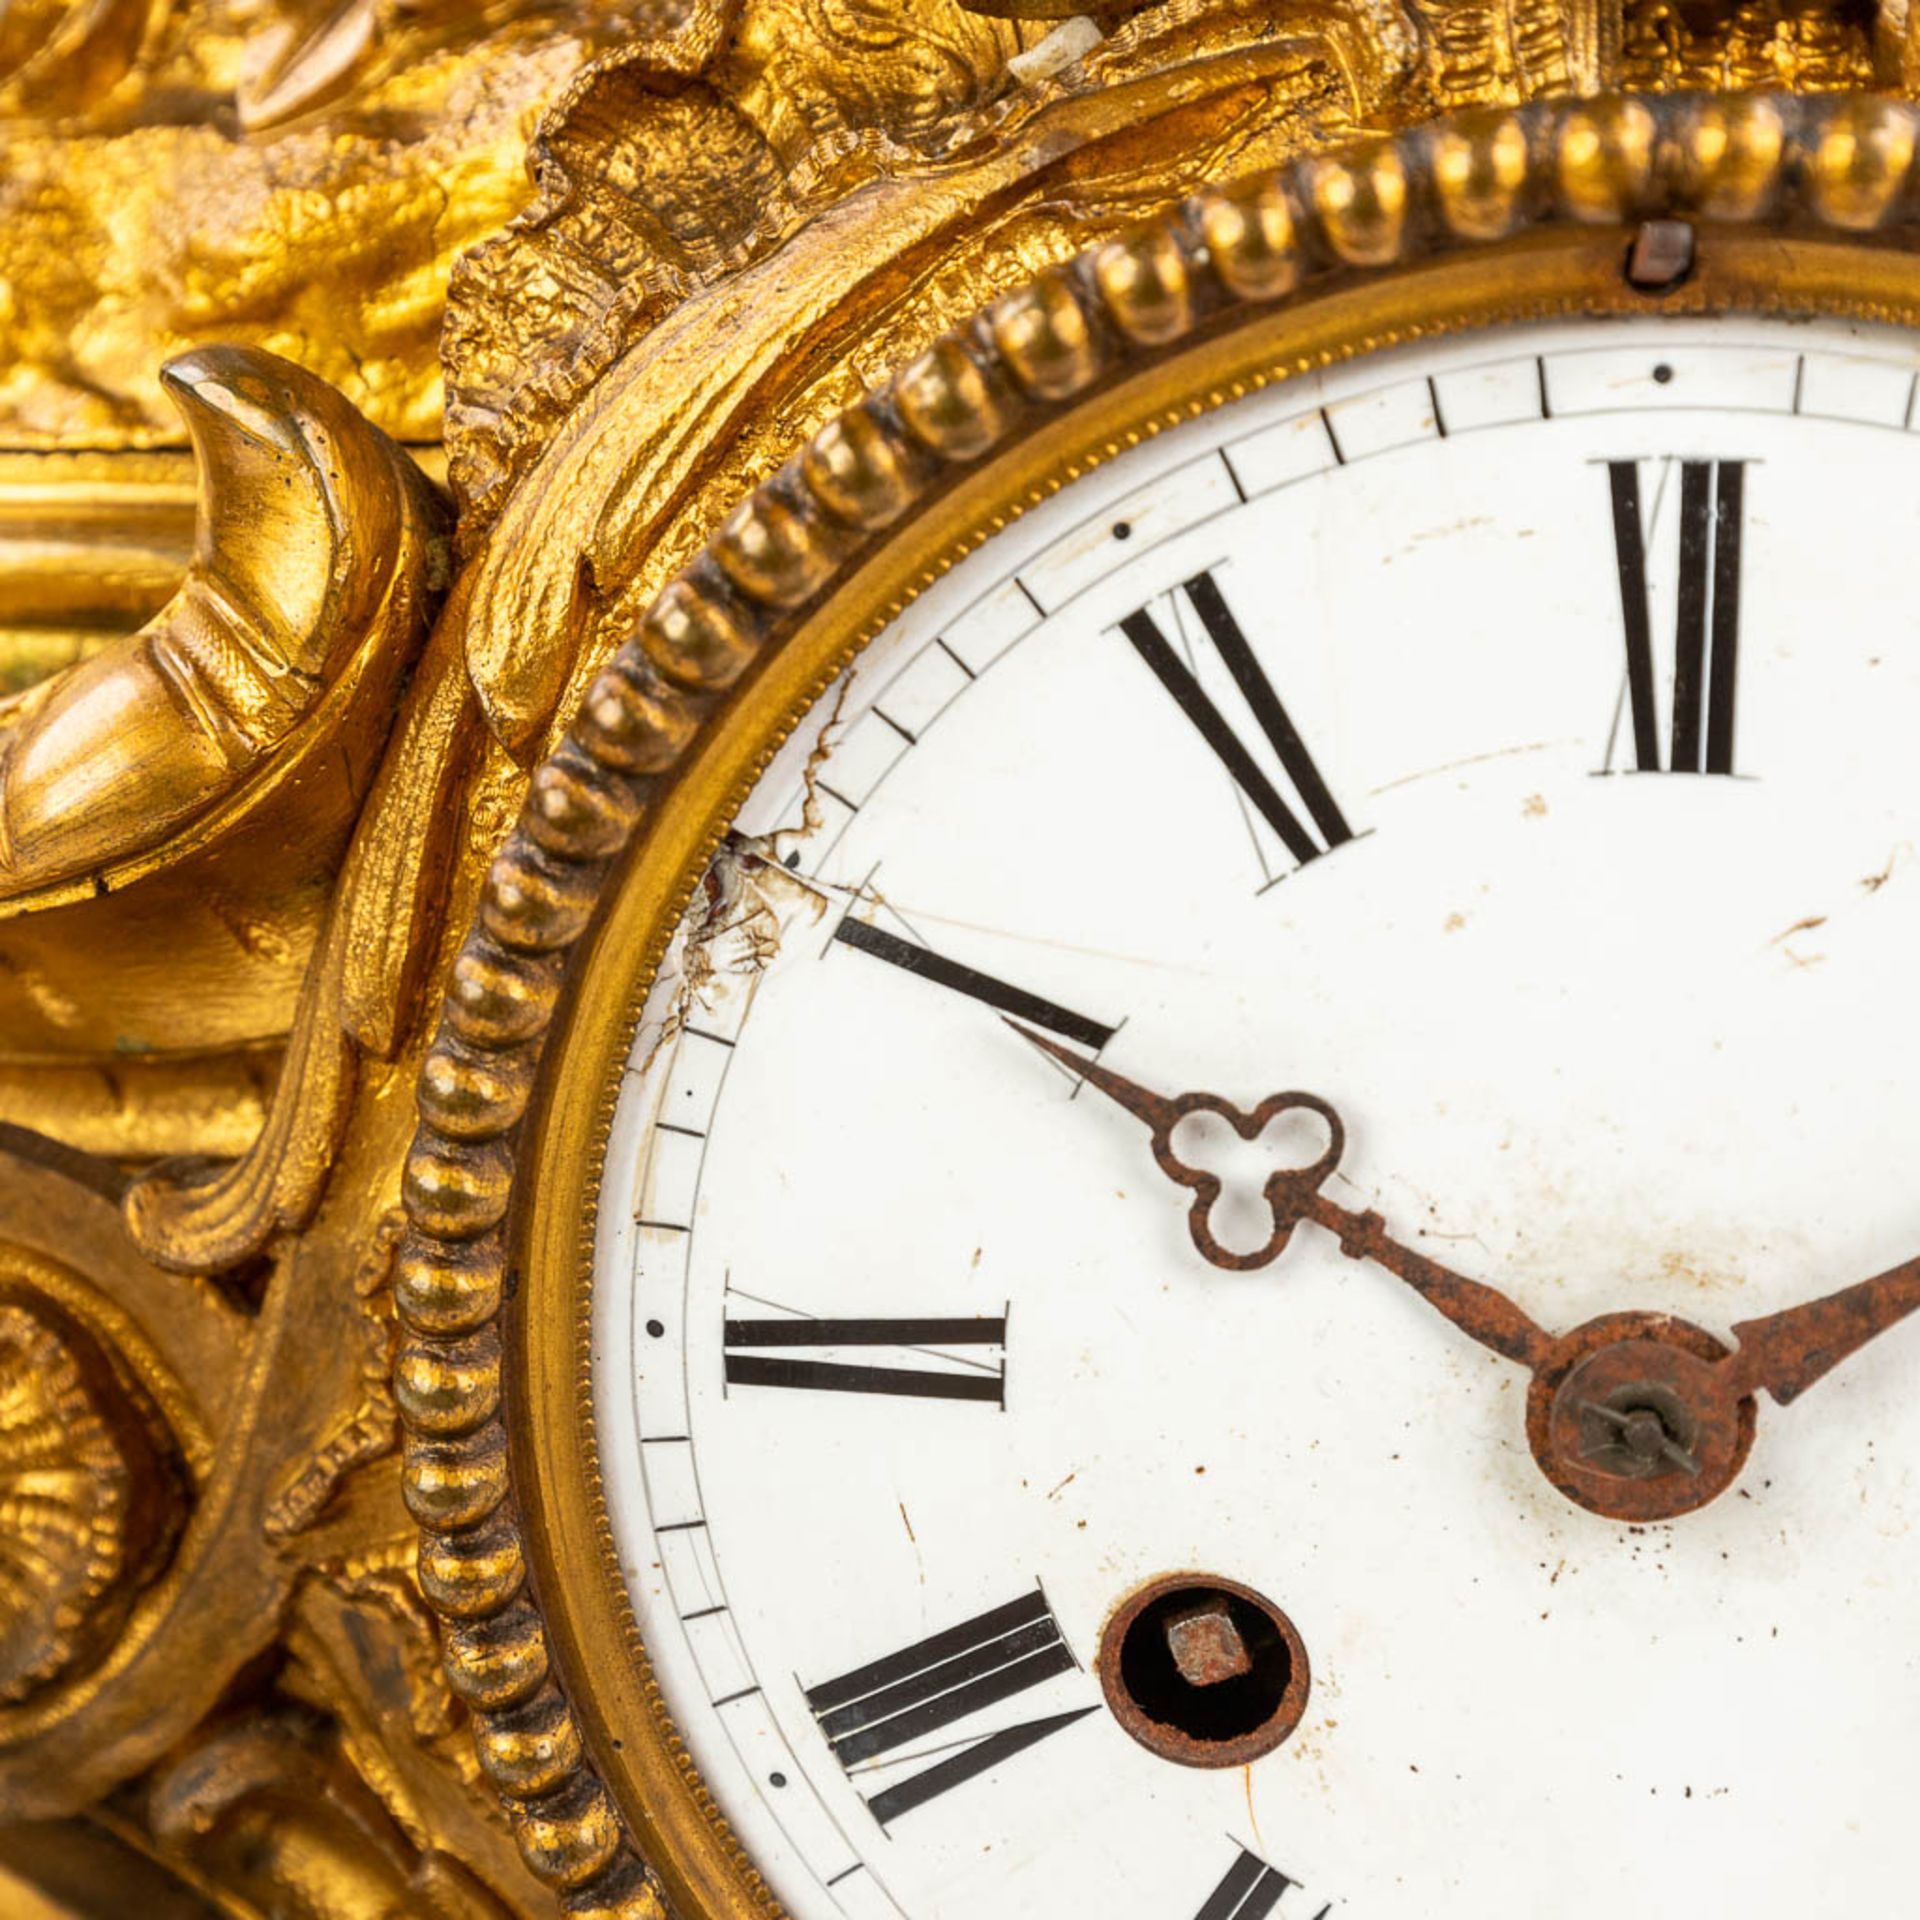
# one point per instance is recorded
(1804, 206)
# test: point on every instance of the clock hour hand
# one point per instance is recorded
(1785, 1353)
(1294, 1195)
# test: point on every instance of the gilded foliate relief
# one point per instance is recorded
(298, 175)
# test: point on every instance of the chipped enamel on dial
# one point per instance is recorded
(1605, 1038)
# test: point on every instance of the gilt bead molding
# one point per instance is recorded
(1836, 167)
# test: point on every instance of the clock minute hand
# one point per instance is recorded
(1786, 1353)
(1479, 1311)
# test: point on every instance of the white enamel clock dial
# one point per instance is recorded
(1508, 744)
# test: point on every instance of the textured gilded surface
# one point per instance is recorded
(89, 1500)
(279, 673)
(298, 176)
(317, 543)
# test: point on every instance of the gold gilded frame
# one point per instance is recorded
(1801, 206)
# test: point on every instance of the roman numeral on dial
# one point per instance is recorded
(930, 1687)
(1325, 826)
(749, 1363)
(1031, 1007)
(1706, 641)
(1248, 1890)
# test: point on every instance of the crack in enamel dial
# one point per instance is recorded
(1041, 1493)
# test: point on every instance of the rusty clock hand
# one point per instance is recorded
(1481, 1312)
(1289, 1191)
(1634, 1416)
(1785, 1353)
(1294, 1195)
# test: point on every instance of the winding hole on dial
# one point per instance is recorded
(1204, 1671)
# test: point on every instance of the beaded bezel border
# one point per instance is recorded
(1839, 167)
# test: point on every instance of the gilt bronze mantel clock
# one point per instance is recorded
(956, 962)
